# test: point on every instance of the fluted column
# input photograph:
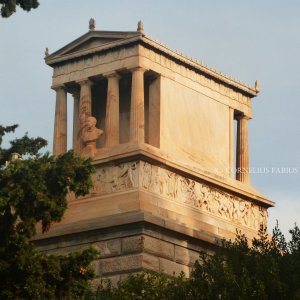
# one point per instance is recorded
(112, 111)
(242, 158)
(76, 125)
(60, 123)
(137, 118)
(85, 106)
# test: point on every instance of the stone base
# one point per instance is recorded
(132, 248)
(145, 216)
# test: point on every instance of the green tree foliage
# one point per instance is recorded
(143, 286)
(8, 7)
(33, 191)
(268, 268)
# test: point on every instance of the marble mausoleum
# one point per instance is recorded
(172, 168)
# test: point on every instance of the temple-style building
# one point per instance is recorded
(169, 140)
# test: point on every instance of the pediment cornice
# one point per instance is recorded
(100, 41)
(82, 46)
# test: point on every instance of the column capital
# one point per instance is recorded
(75, 92)
(58, 87)
(242, 116)
(85, 81)
(113, 74)
(138, 68)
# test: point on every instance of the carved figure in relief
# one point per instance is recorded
(128, 175)
(120, 178)
(224, 205)
(155, 180)
(171, 184)
(263, 217)
(207, 195)
(198, 194)
(229, 206)
(235, 209)
(244, 210)
(114, 182)
(185, 190)
(158, 182)
(161, 173)
(167, 183)
(254, 217)
(220, 202)
(133, 174)
(146, 175)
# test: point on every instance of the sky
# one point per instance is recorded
(248, 40)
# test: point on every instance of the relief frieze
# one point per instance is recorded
(201, 196)
(174, 187)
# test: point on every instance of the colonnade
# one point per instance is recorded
(83, 109)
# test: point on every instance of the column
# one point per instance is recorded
(137, 118)
(112, 111)
(231, 172)
(85, 106)
(154, 112)
(242, 159)
(76, 125)
(60, 123)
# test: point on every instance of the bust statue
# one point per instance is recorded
(89, 135)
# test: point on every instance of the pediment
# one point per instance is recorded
(90, 42)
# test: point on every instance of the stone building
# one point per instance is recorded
(160, 129)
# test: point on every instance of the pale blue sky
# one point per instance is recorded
(248, 40)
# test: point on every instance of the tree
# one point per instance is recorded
(33, 191)
(8, 7)
(266, 268)
(241, 271)
(154, 286)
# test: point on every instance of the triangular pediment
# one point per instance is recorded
(90, 42)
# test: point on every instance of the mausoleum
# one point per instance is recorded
(169, 139)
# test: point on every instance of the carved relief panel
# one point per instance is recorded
(164, 183)
(116, 179)
(201, 196)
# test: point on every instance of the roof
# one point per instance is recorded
(96, 41)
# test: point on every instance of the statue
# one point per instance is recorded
(92, 24)
(257, 86)
(89, 135)
(46, 52)
(140, 27)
